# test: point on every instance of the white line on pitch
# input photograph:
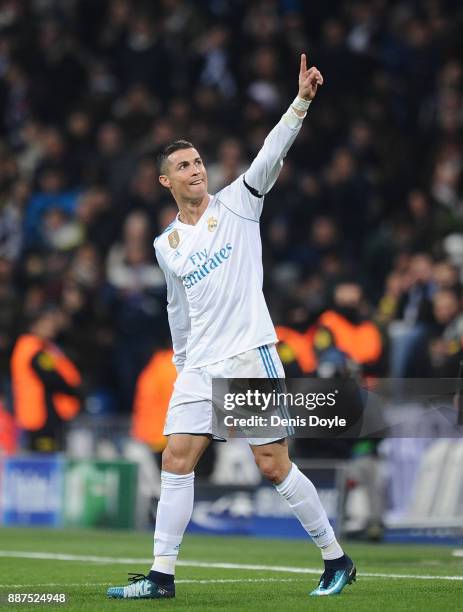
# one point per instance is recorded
(65, 557)
(184, 563)
(186, 581)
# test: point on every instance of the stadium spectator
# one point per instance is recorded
(52, 195)
(134, 295)
(11, 220)
(8, 431)
(351, 330)
(112, 161)
(388, 304)
(88, 336)
(10, 313)
(229, 165)
(415, 318)
(446, 345)
(446, 276)
(46, 384)
(152, 395)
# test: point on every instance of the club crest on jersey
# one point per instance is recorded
(211, 224)
(174, 239)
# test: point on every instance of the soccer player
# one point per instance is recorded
(221, 328)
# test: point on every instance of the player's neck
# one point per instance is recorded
(191, 211)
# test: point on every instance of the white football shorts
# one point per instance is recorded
(191, 406)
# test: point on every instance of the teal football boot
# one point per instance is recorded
(333, 579)
(141, 587)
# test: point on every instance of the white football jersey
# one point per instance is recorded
(213, 269)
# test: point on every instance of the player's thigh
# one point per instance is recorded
(183, 451)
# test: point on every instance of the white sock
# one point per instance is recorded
(303, 500)
(172, 517)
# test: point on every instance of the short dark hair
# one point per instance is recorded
(176, 145)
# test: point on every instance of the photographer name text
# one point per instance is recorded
(278, 421)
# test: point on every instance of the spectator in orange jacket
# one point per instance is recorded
(46, 384)
(8, 431)
(353, 333)
(152, 394)
(295, 351)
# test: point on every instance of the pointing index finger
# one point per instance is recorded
(303, 67)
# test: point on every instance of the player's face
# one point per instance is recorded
(186, 175)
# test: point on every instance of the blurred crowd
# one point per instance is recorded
(364, 226)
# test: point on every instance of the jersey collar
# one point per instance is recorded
(187, 226)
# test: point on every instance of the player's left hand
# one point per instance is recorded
(309, 80)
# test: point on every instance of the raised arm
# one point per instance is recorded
(266, 167)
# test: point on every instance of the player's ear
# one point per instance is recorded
(164, 180)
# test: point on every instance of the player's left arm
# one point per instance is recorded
(266, 167)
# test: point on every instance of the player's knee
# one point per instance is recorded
(176, 463)
(272, 469)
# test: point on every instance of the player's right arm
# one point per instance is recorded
(177, 313)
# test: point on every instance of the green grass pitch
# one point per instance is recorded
(201, 588)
